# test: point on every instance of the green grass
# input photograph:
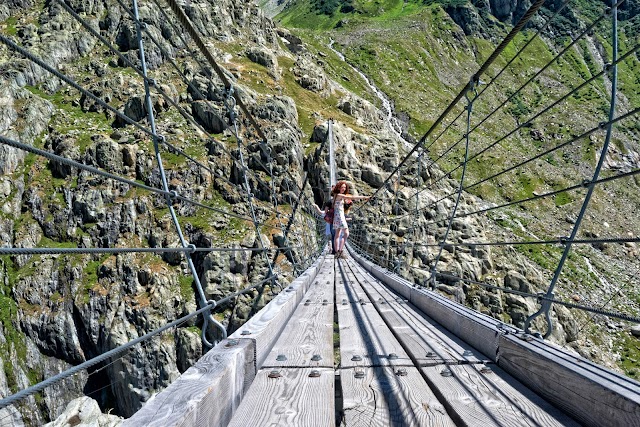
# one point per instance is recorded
(629, 349)
(563, 198)
(14, 338)
(10, 26)
(71, 120)
(186, 287)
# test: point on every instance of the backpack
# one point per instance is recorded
(328, 216)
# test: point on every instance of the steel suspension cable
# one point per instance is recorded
(189, 248)
(154, 83)
(54, 157)
(230, 103)
(600, 126)
(208, 318)
(474, 80)
(94, 361)
(470, 100)
(548, 298)
(579, 186)
(556, 241)
(186, 23)
(529, 121)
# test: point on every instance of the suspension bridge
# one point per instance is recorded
(347, 341)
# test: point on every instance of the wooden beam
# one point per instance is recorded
(426, 342)
(307, 340)
(206, 393)
(288, 397)
(593, 395)
(477, 330)
(389, 397)
(487, 396)
(365, 339)
(267, 324)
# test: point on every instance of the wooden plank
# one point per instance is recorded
(293, 399)
(345, 289)
(394, 281)
(267, 324)
(592, 394)
(489, 396)
(309, 334)
(383, 398)
(364, 334)
(321, 289)
(479, 331)
(206, 394)
(427, 342)
(376, 288)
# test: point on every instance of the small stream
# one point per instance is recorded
(391, 121)
(603, 281)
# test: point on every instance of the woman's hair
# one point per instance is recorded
(336, 189)
(328, 204)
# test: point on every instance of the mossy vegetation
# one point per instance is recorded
(15, 340)
(10, 26)
(186, 286)
(628, 347)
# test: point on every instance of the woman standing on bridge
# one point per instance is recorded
(341, 195)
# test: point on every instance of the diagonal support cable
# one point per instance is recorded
(548, 297)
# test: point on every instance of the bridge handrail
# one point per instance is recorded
(209, 392)
(591, 393)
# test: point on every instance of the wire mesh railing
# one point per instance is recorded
(412, 236)
(285, 238)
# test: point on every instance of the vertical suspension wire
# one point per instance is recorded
(208, 316)
(380, 256)
(294, 209)
(332, 155)
(471, 89)
(266, 150)
(414, 229)
(230, 104)
(545, 300)
(395, 208)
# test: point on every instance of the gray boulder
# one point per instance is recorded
(209, 116)
(85, 412)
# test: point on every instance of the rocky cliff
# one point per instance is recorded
(60, 310)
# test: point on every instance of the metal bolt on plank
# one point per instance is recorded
(359, 374)
(316, 357)
(281, 358)
(274, 374)
(486, 369)
(245, 332)
(231, 343)
(356, 358)
(314, 374)
(446, 372)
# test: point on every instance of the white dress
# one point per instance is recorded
(339, 220)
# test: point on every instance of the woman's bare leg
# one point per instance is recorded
(337, 240)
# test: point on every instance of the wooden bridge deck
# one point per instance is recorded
(387, 364)
(340, 348)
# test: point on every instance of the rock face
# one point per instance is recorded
(61, 310)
